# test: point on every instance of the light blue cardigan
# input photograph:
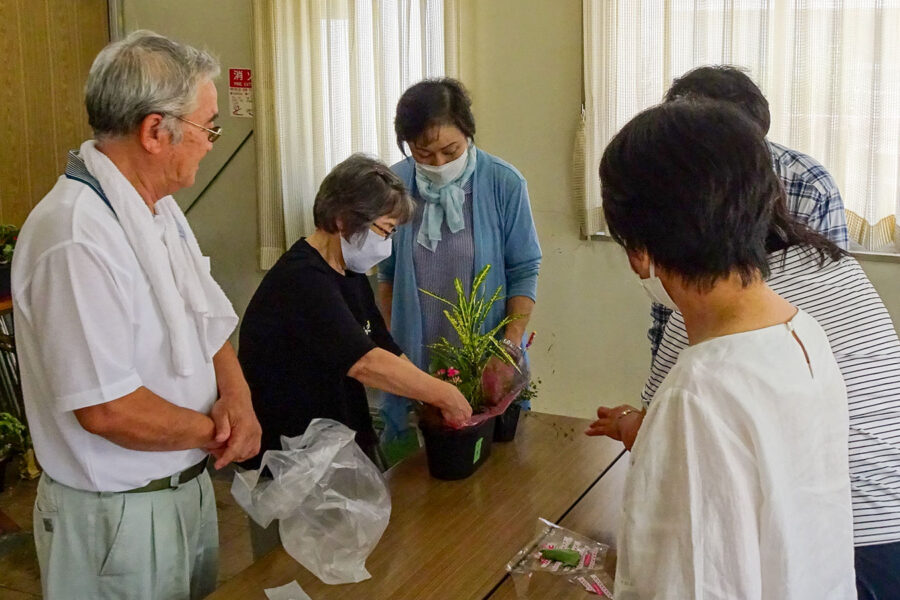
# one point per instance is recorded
(504, 237)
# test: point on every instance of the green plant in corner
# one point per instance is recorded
(9, 234)
(12, 435)
(463, 364)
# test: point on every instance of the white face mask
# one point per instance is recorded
(447, 172)
(656, 291)
(365, 250)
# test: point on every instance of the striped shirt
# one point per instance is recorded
(812, 197)
(865, 344)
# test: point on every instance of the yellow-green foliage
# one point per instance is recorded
(467, 316)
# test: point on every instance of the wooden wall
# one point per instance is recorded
(46, 51)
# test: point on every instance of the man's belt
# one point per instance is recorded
(172, 481)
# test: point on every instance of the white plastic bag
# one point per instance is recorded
(331, 501)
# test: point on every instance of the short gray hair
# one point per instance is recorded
(358, 191)
(143, 74)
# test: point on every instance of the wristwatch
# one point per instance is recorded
(514, 350)
(510, 343)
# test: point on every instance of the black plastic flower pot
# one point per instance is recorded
(507, 422)
(457, 453)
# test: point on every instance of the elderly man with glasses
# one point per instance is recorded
(129, 380)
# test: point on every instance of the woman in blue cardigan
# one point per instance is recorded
(472, 210)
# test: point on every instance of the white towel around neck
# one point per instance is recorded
(176, 268)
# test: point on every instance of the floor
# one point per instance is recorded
(19, 574)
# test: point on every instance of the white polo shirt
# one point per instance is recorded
(88, 331)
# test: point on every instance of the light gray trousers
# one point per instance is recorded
(146, 546)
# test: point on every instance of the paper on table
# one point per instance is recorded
(291, 591)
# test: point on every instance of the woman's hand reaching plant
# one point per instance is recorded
(455, 410)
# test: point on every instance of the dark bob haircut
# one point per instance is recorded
(691, 183)
(432, 103)
(727, 84)
(358, 191)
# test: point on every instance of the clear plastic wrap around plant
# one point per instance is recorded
(529, 564)
(501, 381)
(502, 385)
(332, 502)
(505, 386)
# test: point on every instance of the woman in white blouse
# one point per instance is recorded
(739, 484)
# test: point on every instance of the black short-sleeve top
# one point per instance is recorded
(305, 327)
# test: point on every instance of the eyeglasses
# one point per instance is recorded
(214, 133)
(385, 233)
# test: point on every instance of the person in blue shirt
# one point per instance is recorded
(472, 210)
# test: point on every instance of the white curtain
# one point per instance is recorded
(830, 70)
(328, 77)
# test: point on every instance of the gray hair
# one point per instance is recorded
(143, 74)
(358, 191)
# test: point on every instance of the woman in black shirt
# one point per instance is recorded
(312, 336)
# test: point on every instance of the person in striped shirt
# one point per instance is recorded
(812, 194)
(839, 295)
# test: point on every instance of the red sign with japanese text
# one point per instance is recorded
(240, 78)
(240, 92)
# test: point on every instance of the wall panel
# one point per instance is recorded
(46, 49)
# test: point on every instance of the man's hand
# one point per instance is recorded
(621, 423)
(237, 430)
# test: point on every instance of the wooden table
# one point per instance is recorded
(451, 539)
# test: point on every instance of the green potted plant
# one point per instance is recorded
(12, 441)
(457, 453)
(8, 236)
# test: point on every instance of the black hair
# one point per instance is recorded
(727, 84)
(691, 183)
(431, 103)
(358, 191)
(786, 231)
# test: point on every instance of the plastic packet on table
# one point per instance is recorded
(332, 502)
(528, 564)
